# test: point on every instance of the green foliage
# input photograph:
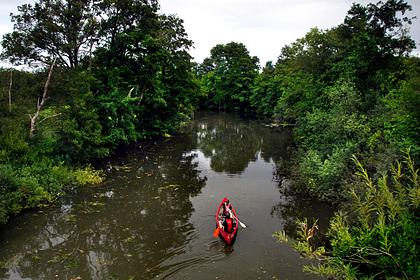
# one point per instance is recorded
(265, 91)
(377, 238)
(228, 76)
(88, 176)
(120, 118)
(348, 90)
(335, 269)
(281, 236)
(137, 84)
(36, 185)
(52, 29)
(148, 88)
(328, 137)
(298, 94)
(323, 177)
(402, 110)
(352, 90)
(303, 243)
(29, 176)
(13, 141)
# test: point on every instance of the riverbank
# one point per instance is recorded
(154, 215)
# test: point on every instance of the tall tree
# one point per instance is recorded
(230, 76)
(52, 28)
(144, 68)
(373, 39)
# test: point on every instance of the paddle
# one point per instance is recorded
(216, 232)
(242, 224)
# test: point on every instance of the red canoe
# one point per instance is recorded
(228, 227)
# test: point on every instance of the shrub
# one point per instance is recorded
(322, 175)
(378, 237)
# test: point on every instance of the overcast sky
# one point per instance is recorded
(264, 26)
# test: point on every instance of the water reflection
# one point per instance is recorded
(125, 228)
(294, 207)
(232, 144)
(154, 216)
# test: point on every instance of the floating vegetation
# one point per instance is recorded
(70, 218)
(129, 239)
(96, 203)
(168, 187)
(55, 259)
(34, 258)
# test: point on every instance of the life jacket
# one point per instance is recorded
(229, 224)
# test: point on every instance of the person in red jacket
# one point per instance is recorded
(228, 217)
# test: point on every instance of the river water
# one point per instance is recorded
(153, 218)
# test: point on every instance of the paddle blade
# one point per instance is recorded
(242, 224)
(216, 232)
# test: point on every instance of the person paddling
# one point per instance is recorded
(227, 208)
(226, 222)
(228, 213)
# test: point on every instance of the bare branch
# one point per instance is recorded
(41, 103)
(10, 90)
(49, 117)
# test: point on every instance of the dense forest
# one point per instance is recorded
(108, 73)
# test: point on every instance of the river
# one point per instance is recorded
(153, 218)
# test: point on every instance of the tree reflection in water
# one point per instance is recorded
(232, 144)
(139, 223)
(295, 207)
(125, 228)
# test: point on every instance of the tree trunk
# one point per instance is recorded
(41, 103)
(10, 90)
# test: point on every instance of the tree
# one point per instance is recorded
(146, 82)
(373, 39)
(265, 91)
(52, 28)
(230, 76)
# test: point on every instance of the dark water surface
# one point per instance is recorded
(154, 216)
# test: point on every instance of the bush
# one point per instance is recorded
(378, 236)
(88, 175)
(39, 184)
(30, 177)
(323, 177)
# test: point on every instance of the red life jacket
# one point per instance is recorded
(229, 224)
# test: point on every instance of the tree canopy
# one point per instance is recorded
(123, 74)
(67, 30)
(227, 77)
